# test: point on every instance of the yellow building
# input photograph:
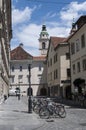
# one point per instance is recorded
(58, 67)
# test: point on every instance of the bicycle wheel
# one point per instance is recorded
(36, 109)
(61, 111)
(44, 113)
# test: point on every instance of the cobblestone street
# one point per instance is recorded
(14, 116)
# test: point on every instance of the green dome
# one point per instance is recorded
(44, 33)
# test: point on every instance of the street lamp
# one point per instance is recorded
(29, 91)
(18, 89)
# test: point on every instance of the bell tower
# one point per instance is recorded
(43, 41)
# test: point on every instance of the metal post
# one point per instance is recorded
(29, 92)
(19, 90)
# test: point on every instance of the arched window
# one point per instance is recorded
(43, 45)
(12, 68)
(20, 68)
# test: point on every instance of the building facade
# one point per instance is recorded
(19, 71)
(5, 37)
(77, 43)
(58, 67)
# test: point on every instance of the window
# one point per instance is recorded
(12, 79)
(72, 48)
(12, 68)
(39, 77)
(51, 76)
(68, 72)
(51, 62)
(83, 41)
(55, 74)
(20, 68)
(40, 67)
(48, 63)
(20, 78)
(67, 56)
(74, 69)
(78, 66)
(43, 45)
(77, 45)
(55, 58)
(84, 64)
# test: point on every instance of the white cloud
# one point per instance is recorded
(78, 7)
(20, 16)
(28, 34)
(50, 15)
(59, 31)
(73, 10)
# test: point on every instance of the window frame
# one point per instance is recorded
(20, 68)
(78, 67)
(43, 45)
(83, 40)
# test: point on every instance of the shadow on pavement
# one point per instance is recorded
(20, 111)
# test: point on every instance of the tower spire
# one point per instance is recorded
(43, 40)
(73, 27)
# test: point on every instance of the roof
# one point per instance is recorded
(44, 33)
(20, 54)
(39, 57)
(44, 30)
(82, 19)
(80, 22)
(57, 40)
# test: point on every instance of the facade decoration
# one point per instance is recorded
(5, 37)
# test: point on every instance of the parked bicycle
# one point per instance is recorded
(52, 109)
(47, 108)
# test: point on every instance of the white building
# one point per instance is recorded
(19, 65)
(78, 56)
(5, 37)
(58, 67)
(19, 71)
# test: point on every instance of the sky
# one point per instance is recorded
(28, 16)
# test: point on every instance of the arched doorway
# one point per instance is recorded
(43, 92)
(79, 83)
(68, 92)
(29, 92)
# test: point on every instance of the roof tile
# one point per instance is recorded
(57, 40)
(20, 54)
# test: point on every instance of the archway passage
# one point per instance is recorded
(78, 83)
(68, 92)
(29, 91)
(43, 92)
